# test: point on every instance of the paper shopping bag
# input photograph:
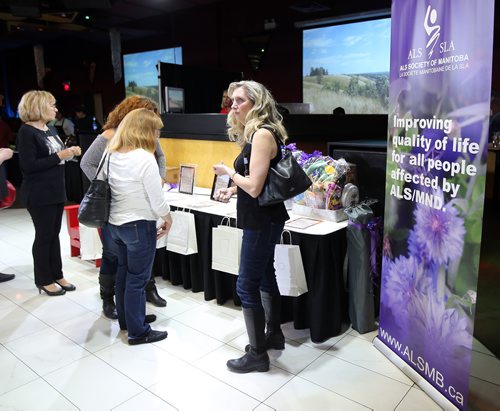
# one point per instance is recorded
(290, 274)
(226, 248)
(90, 243)
(182, 235)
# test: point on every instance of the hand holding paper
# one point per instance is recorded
(221, 169)
(223, 195)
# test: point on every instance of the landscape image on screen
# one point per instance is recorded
(347, 66)
(140, 73)
(175, 99)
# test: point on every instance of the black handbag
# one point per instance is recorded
(285, 180)
(94, 208)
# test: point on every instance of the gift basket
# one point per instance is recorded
(332, 189)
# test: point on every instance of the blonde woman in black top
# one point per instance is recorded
(41, 156)
(255, 124)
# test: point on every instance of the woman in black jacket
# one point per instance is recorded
(41, 156)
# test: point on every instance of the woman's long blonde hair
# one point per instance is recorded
(263, 113)
(138, 129)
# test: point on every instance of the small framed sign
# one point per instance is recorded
(187, 176)
(220, 182)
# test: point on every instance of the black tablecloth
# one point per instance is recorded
(322, 309)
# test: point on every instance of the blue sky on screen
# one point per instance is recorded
(141, 67)
(352, 48)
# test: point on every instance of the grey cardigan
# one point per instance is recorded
(92, 157)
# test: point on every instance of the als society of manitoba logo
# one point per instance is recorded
(436, 54)
(432, 29)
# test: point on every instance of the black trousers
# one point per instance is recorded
(46, 248)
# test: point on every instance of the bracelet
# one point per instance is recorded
(232, 176)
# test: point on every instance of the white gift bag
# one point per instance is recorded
(226, 247)
(182, 235)
(90, 243)
(290, 274)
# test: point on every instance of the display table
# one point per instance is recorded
(322, 246)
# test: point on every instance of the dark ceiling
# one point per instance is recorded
(26, 22)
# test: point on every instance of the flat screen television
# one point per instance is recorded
(174, 100)
(347, 65)
(140, 71)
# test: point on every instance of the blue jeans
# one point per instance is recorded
(109, 261)
(256, 265)
(136, 244)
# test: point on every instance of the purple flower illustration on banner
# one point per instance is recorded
(438, 234)
(419, 250)
(445, 334)
(440, 326)
(403, 280)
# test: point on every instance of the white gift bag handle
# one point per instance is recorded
(227, 221)
(282, 239)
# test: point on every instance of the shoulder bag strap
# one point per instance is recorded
(107, 171)
(273, 132)
(101, 163)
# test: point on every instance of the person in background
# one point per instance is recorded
(85, 123)
(137, 201)
(225, 105)
(5, 154)
(494, 118)
(257, 127)
(64, 126)
(6, 135)
(89, 163)
(41, 157)
(338, 111)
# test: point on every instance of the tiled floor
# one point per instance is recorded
(59, 353)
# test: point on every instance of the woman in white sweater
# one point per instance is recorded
(89, 163)
(137, 201)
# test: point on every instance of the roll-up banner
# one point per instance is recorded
(440, 88)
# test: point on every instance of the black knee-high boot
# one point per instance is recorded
(107, 289)
(272, 310)
(256, 359)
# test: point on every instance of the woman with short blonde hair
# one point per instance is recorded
(42, 155)
(34, 106)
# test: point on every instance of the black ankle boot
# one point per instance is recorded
(256, 359)
(109, 309)
(152, 295)
(107, 290)
(251, 361)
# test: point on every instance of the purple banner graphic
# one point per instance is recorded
(439, 105)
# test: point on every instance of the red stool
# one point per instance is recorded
(74, 231)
